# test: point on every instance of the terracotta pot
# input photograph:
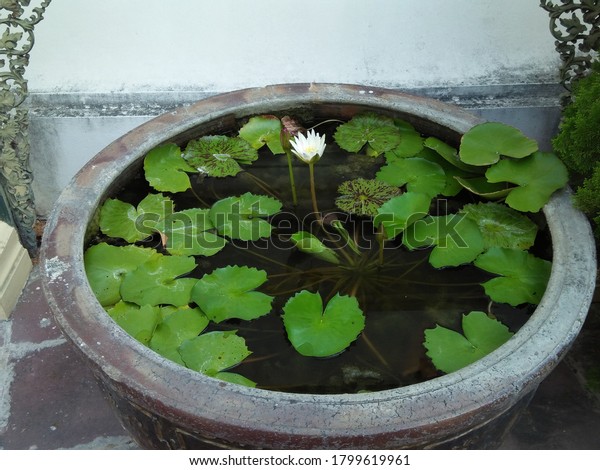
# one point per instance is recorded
(164, 405)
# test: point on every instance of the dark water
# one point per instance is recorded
(400, 299)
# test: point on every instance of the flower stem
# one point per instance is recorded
(292, 181)
(313, 193)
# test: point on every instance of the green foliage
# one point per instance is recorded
(402, 211)
(523, 276)
(317, 333)
(451, 351)
(308, 243)
(230, 293)
(166, 170)
(364, 197)
(419, 175)
(138, 321)
(244, 217)
(578, 140)
(485, 143)
(261, 130)
(219, 155)
(587, 198)
(376, 134)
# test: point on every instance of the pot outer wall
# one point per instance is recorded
(166, 406)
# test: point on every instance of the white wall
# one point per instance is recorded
(210, 45)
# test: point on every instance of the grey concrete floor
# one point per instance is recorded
(49, 399)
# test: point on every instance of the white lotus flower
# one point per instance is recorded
(308, 148)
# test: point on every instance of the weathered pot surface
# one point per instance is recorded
(164, 405)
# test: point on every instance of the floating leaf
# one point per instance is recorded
(538, 176)
(219, 155)
(214, 352)
(450, 155)
(243, 217)
(411, 142)
(419, 175)
(485, 189)
(191, 232)
(363, 197)
(451, 351)
(452, 186)
(178, 326)
(457, 239)
(502, 226)
(523, 276)
(138, 321)
(308, 243)
(155, 282)
(105, 266)
(317, 333)
(166, 170)
(120, 219)
(235, 379)
(261, 130)
(484, 143)
(229, 293)
(377, 133)
(401, 211)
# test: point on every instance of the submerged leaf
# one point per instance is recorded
(166, 170)
(502, 226)
(214, 352)
(317, 333)
(419, 175)
(402, 211)
(484, 143)
(106, 265)
(523, 276)
(451, 351)
(219, 155)
(308, 243)
(139, 321)
(243, 217)
(156, 281)
(538, 176)
(363, 197)
(457, 239)
(377, 133)
(229, 293)
(261, 130)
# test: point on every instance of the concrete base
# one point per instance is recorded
(15, 266)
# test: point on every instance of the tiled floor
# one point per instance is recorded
(49, 400)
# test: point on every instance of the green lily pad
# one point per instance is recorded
(484, 143)
(451, 172)
(451, 351)
(172, 331)
(364, 197)
(235, 379)
(538, 176)
(502, 226)
(308, 243)
(419, 175)
(138, 321)
(402, 211)
(219, 155)
(166, 170)
(377, 133)
(317, 333)
(244, 217)
(156, 281)
(411, 142)
(449, 154)
(191, 232)
(106, 265)
(261, 130)
(524, 277)
(229, 292)
(457, 239)
(214, 352)
(481, 187)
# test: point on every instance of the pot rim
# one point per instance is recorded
(484, 388)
